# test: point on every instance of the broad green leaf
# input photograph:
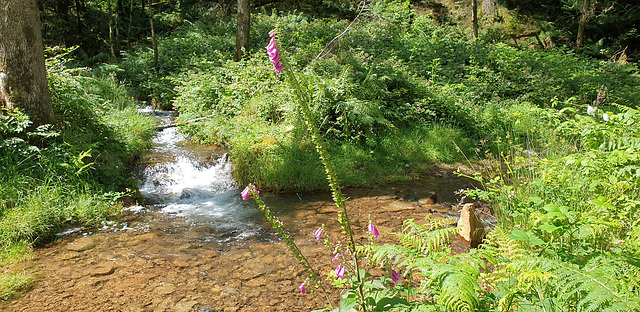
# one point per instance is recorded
(549, 228)
(519, 235)
(386, 304)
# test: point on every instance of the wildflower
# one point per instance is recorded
(340, 271)
(318, 233)
(274, 54)
(335, 258)
(606, 117)
(395, 276)
(246, 192)
(373, 230)
(591, 111)
(600, 95)
(303, 288)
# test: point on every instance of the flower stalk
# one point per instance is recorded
(277, 225)
(301, 91)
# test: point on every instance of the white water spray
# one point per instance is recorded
(202, 192)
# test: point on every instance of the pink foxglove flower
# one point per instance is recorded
(395, 276)
(373, 230)
(246, 192)
(340, 271)
(318, 233)
(303, 288)
(274, 54)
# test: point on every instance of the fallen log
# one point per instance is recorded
(175, 124)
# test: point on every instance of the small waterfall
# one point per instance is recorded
(187, 182)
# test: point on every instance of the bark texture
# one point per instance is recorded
(587, 12)
(23, 77)
(489, 7)
(474, 18)
(244, 23)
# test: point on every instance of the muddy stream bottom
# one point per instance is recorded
(157, 262)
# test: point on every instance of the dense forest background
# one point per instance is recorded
(103, 29)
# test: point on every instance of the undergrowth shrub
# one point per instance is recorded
(70, 174)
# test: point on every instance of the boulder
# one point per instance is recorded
(471, 228)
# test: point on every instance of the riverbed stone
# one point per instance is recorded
(430, 199)
(147, 236)
(328, 209)
(210, 254)
(256, 282)
(471, 228)
(67, 255)
(81, 244)
(102, 270)
(397, 206)
(184, 306)
(164, 289)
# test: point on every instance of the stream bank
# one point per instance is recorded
(196, 246)
(152, 261)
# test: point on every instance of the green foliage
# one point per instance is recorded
(68, 175)
(13, 283)
(444, 282)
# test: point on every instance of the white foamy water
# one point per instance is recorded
(184, 179)
(202, 192)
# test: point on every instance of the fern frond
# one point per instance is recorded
(392, 254)
(625, 108)
(456, 284)
(427, 240)
(499, 248)
(597, 287)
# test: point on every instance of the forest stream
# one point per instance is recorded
(196, 246)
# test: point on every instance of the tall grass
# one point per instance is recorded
(75, 173)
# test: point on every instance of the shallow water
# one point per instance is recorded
(196, 246)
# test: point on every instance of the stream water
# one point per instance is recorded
(196, 246)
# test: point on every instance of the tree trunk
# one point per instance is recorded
(79, 29)
(154, 42)
(117, 27)
(244, 23)
(23, 76)
(488, 7)
(474, 18)
(111, 41)
(587, 11)
(129, 27)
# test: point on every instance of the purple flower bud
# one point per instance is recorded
(340, 271)
(303, 288)
(395, 276)
(373, 230)
(318, 233)
(335, 258)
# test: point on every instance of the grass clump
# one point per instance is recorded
(70, 174)
(12, 284)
